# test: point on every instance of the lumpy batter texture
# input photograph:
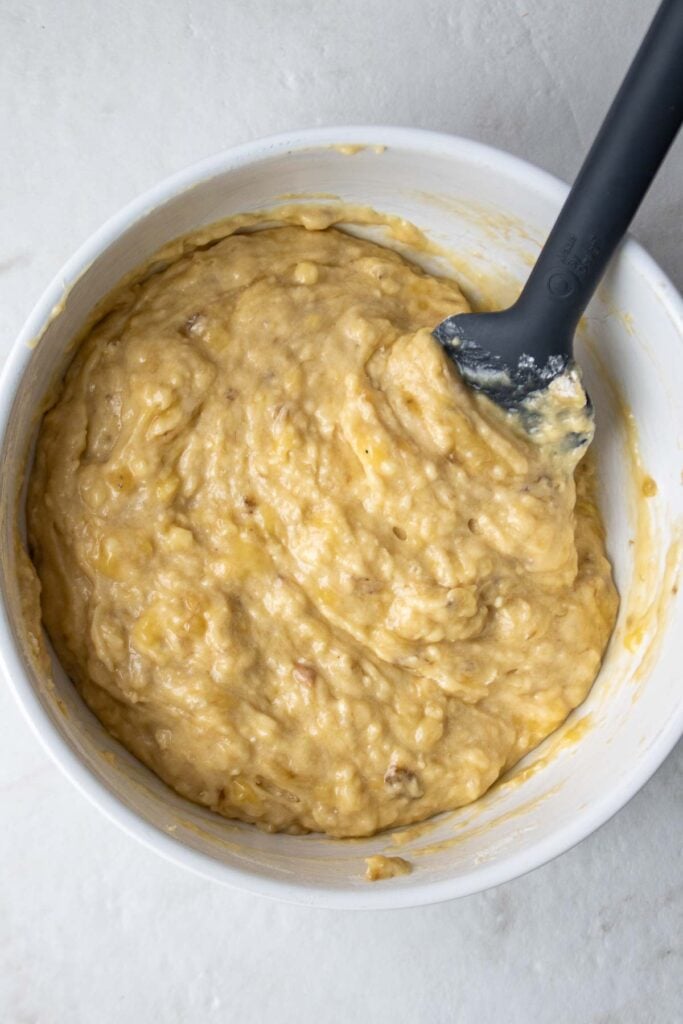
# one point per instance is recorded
(290, 560)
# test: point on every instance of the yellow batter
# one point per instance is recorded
(290, 560)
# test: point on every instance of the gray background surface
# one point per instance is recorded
(98, 102)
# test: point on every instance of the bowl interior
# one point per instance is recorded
(492, 211)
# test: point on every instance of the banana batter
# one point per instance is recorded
(290, 561)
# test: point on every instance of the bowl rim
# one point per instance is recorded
(411, 891)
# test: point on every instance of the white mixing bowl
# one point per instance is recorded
(493, 210)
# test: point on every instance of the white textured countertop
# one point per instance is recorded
(97, 102)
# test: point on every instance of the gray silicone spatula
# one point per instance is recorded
(512, 354)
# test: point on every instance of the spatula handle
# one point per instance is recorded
(639, 127)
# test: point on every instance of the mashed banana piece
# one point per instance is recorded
(290, 561)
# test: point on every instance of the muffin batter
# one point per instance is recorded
(290, 561)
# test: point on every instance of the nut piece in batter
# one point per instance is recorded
(290, 561)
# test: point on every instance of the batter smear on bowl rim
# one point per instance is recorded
(290, 560)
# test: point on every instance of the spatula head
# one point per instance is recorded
(493, 360)
(544, 392)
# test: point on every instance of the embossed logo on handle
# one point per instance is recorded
(577, 258)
